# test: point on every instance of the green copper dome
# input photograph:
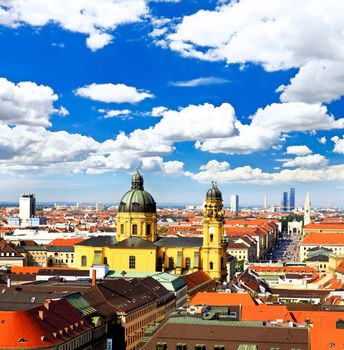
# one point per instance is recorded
(137, 200)
(214, 192)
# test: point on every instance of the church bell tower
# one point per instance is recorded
(214, 249)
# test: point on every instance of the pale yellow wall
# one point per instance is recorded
(139, 219)
(118, 259)
(88, 252)
(9, 262)
(172, 252)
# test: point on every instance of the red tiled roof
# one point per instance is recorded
(222, 299)
(325, 226)
(65, 241)
(195, 279)
(266, 313)
(60, 322)
(324, 238)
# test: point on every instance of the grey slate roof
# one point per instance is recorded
(134, 242)
(59, 249)
(180, 242)
(100, 241)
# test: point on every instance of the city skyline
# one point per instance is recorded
(85, 98)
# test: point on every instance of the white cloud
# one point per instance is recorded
(247, 174)
(26, 103)
(199, 82)
(299, 150)
(268, 126)
(239, 32)
(158, 111)
(197, 123)
(116, 93)
(97, 19)
(322, 140)
(112, 113)
(157, 164)
(62, 111)
(97, 41)
(338, 144)
(309, 161)
(213, 166)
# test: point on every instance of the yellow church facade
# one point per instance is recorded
(137, 246)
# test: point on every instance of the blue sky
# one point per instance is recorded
(188, 91)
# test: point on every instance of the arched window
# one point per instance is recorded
(187, 263)
(132, 262)
(211, 265)
(171, 263)
(148, 229)
(83, 260)
(134, 230)
(122, 229)
(211, 237)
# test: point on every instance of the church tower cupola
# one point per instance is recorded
(214, 249)
(136, 214)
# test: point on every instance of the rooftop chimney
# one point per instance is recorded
(94, 277)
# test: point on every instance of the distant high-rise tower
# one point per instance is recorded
(307, 211)
(292, 199)
(234, 203)
(284, 201)
(265, 202)
(27, 207)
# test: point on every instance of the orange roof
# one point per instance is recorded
(324, 238)
(265, 312)
(325, 226)
(283, 269)
(66, 241)
(35, 269)
(39, 333)
(222, 299)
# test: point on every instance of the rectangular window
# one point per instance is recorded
(181, 346)
(161, 346)
(132, 262)
(219, 347)
(199, 347)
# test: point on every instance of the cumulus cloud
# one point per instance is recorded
(158, 111)
(322, 140)
(301, 150)
(316, 81)
(96, 19)
(115, 93)
(338, 144)
(158, 164)
(309, 161)
(247, 174)
(269, 125)
(238, 32)
(27, 103)
(199, 82)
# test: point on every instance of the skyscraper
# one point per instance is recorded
(27, 207)
(265, 202)
(234, 203)
(284, 201)
(292, 199)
